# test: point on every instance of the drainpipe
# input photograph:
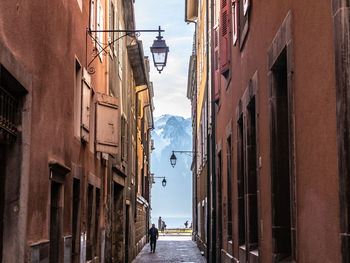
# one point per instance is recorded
(194, 140)
(209, 150)
(136, 160)
(141, 57)
(213, 144)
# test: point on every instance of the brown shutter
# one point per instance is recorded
(107, 130)
(216, 65)
(85, 107)
(224, 37)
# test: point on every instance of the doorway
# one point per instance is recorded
(118, 224)
(2, 193)
(56, 222)
(76, 220)
(127, 233)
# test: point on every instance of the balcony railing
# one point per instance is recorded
(8, 113)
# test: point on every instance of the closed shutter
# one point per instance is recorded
(224, 37)
(216, 65)
(125, 131)
(107, 129)
(85, 106)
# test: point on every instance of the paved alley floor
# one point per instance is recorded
(172, 249)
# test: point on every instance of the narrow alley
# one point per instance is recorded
(220, 126)
(172, 249)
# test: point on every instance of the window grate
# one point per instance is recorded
(8, 112)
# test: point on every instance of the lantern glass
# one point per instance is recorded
(164, 182)
(173, 160)
(159, 51)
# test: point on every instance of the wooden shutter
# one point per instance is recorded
(224, 37)
(85, 106)
(107, 130)
(216, 64)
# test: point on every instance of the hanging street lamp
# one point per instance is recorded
(160, 52)
(163, 181)
(173, 160)
(173, 156)
(159, 49)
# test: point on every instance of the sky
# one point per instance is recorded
(170, 87)
(170, 90)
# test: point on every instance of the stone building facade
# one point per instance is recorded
(278, 76)
(69, 125)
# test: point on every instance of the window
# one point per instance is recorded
(120, 54)
(245, 6)
(247, 174)
(124, 143)
(280, 163)
(229, 187)
(251, 189)
(111, 27)
(282, 160)
(99, 26)
(240, 183)
(116, 23)
(85, 107)
(77, 98)
(243, 21)
(92, 15)
(235, 21)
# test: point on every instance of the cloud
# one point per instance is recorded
(170, 87)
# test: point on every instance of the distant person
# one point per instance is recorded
(163, 225)
(153, 236)
(186, 224)
(160, 222)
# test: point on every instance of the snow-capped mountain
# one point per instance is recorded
(172, 133)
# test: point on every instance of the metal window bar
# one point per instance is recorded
(8, 112)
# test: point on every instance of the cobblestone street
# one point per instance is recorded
(172, 249)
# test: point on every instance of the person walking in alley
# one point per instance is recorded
(153, 236)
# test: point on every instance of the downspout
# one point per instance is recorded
(194, 175)
(141, 57)
(136, 158)
(208, 144)
(213, 143)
